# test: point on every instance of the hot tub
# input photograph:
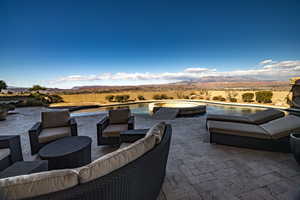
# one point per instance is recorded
(185, 108)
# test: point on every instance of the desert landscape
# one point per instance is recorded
(211, 89)
(225, 89)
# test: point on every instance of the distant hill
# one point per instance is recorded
(222, 79)
(210, 82)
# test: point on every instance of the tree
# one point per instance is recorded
(2, 85)
(37, 88)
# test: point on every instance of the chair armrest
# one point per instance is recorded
(131, 123)
(13, 143)
(102, 125)
(34, 133)
(36, 129)
(73, 125)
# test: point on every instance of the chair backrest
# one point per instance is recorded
(52, 119)
(119, 116)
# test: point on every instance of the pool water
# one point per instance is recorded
(142, 108)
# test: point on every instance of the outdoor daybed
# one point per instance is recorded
(133, 172)
(272, 136)
(256, 118)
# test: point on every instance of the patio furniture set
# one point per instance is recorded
(65, 169)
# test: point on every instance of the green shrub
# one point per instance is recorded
(156, 97)
(248, 97)
(31, 102)
(218, 98)
(119, 98)
(122, 98)
(141, 97)
(162, 96)
(234, 100)
(231, 96)
(179, 95)
(126, 97)
(264, 96)
(110, 98)
(55, 98)
(203, 92)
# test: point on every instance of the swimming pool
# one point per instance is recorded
(142, 108)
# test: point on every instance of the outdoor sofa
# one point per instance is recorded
(109, 128)
(10, 150)
(133, 172)
(54, 125)
(271, 136)
(256, 118)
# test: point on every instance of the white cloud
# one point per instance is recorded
(268, 70)
(198, 70)
(264, 62)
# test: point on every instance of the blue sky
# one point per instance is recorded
(68, 43)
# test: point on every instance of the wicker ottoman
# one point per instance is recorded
(68, 152)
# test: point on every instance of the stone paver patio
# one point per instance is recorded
(196, 169)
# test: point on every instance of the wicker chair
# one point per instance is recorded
(10, 150)
(109, 128)
(54, 125)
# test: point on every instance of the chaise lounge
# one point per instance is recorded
(133, 172)
(256, 118)
(271, 136)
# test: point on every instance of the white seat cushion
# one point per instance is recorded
(158, 131)
(116, 159)
(124, 144)
(4, 153)
(282, 127)
(114, 130)
(26, 186)
(51, 134)
(239, 129)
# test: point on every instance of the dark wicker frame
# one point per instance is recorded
(13, 143)
(36, 130)
(110, 140)
(71, 157)
(140, 179)
(279, 145)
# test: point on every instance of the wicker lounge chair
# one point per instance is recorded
(257, 118)
(109, 128)
(272, 136)
(10, 150)
(54, 125)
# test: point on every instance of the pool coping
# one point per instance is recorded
(75, 108)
